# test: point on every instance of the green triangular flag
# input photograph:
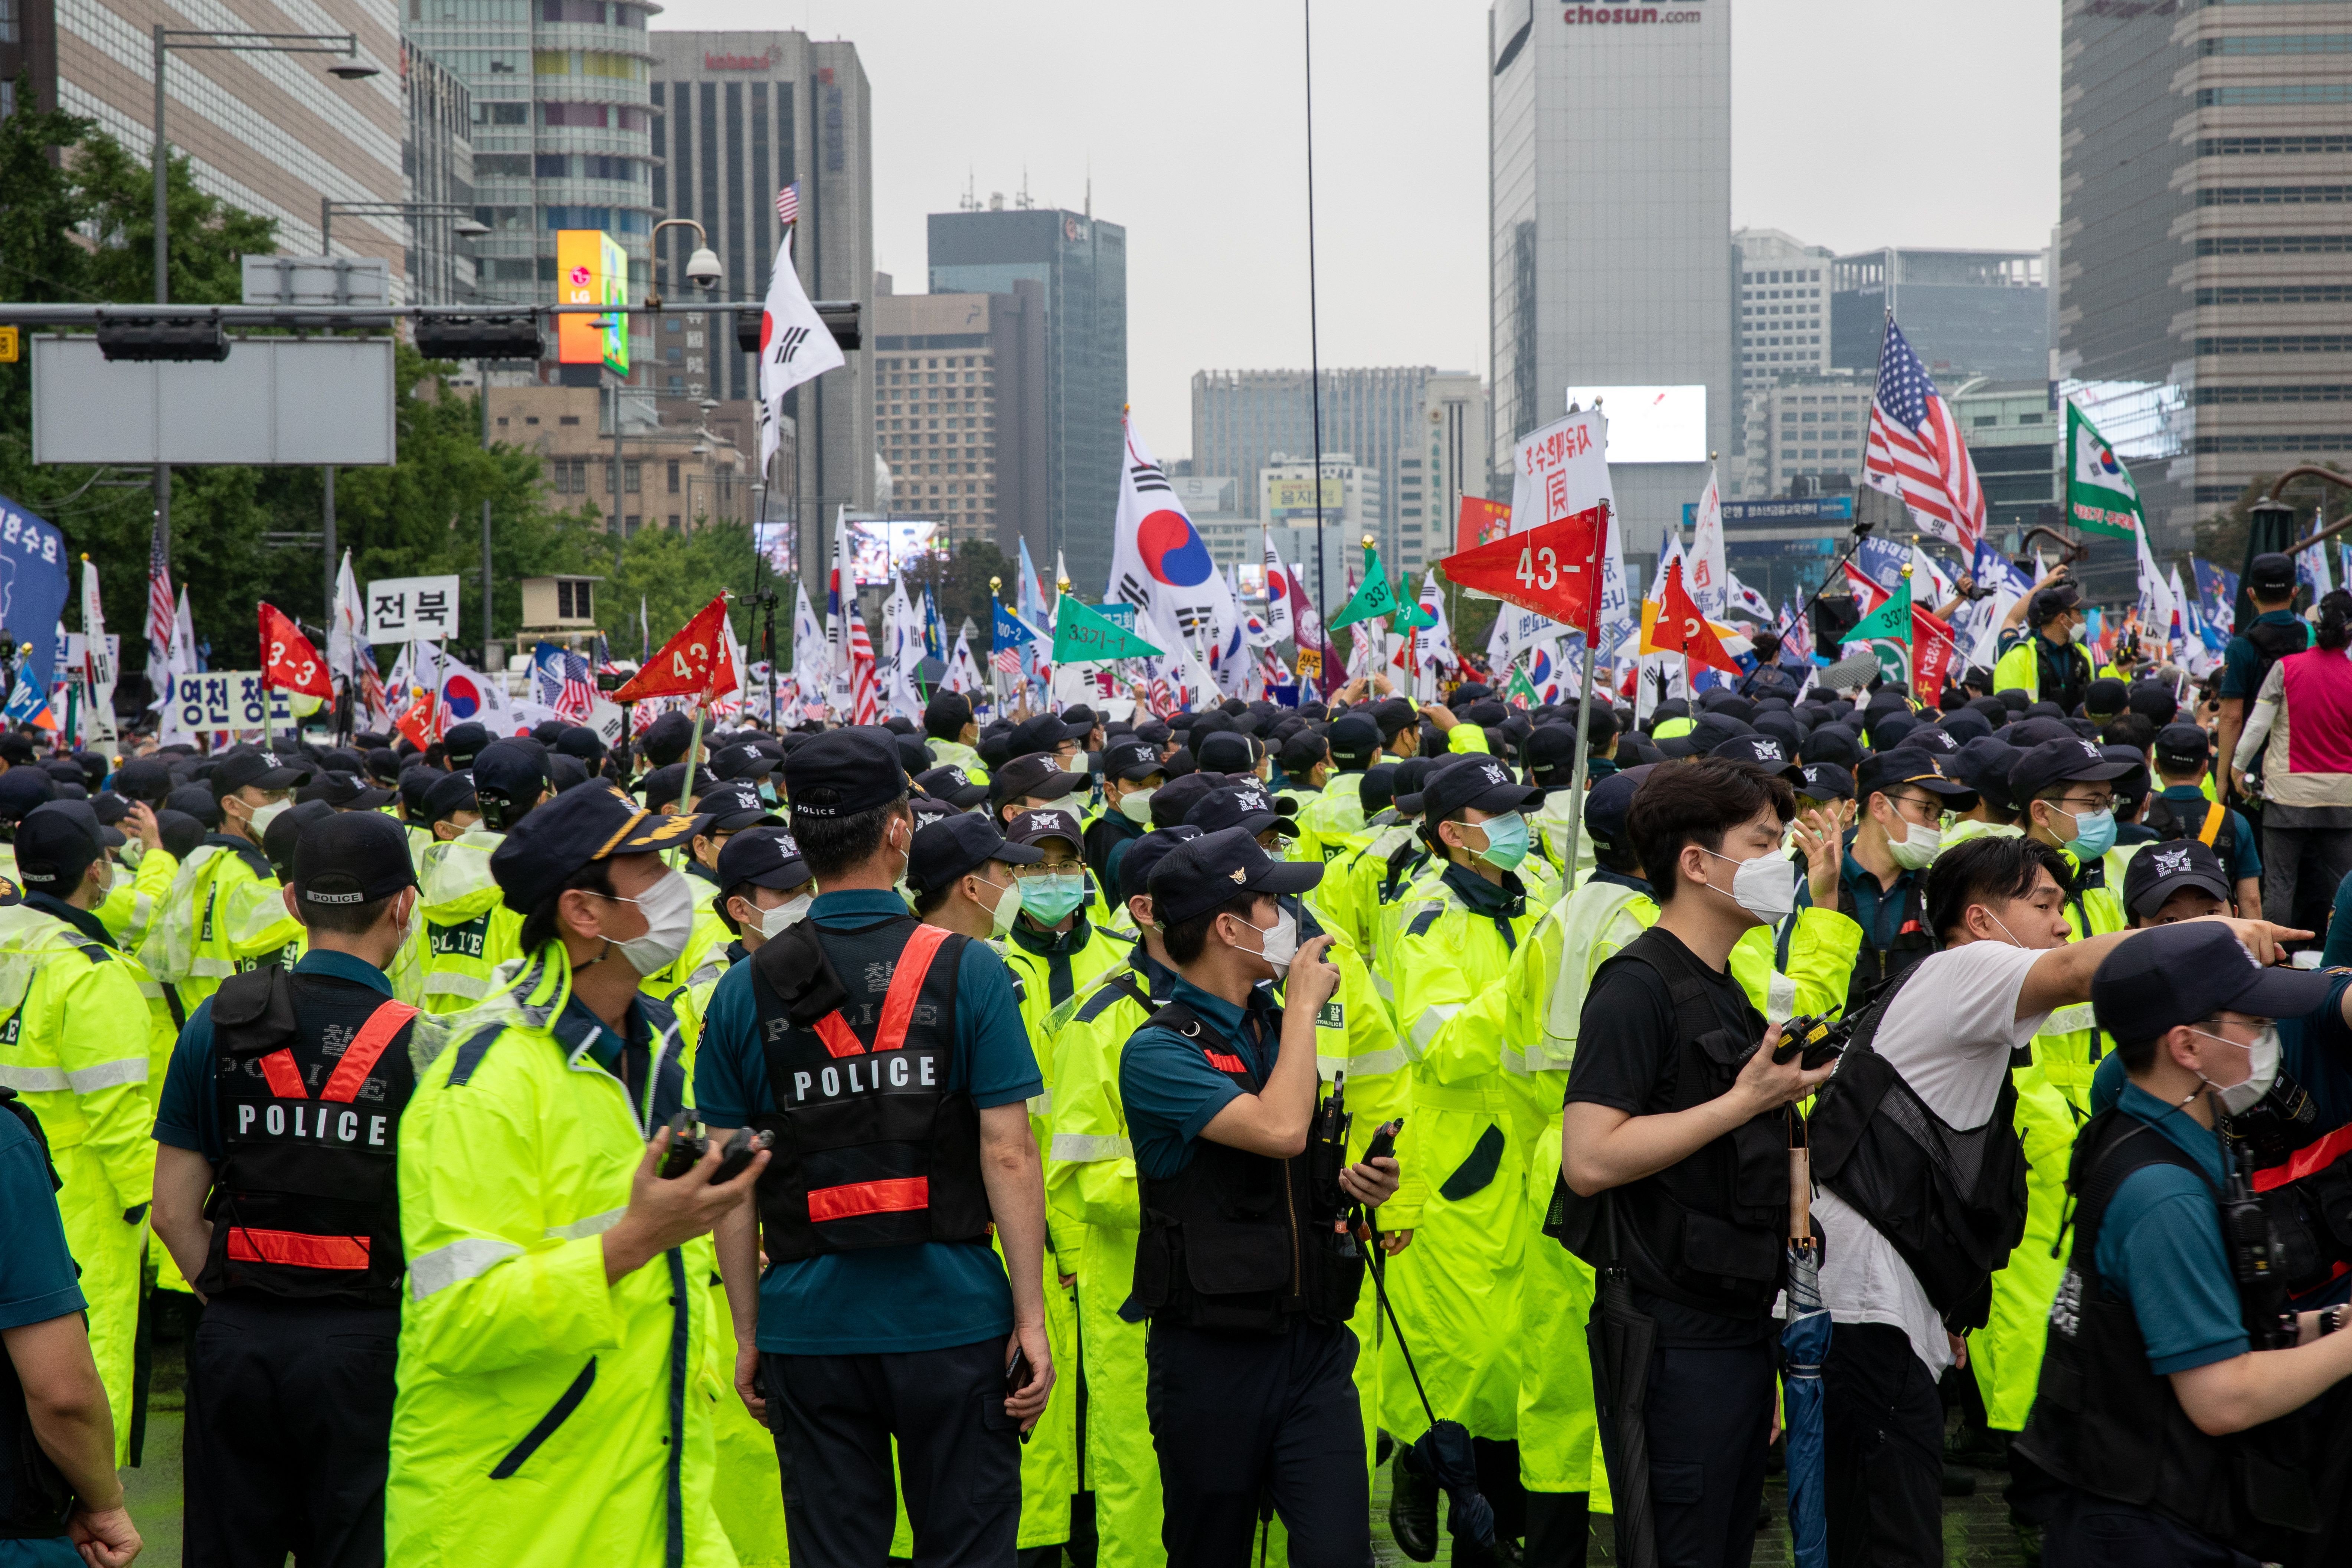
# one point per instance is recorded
(1084, 635)
(1523, 688)
(1890, 622)
(1374, 598)
(1409, 614)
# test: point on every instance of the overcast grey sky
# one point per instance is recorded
(1855, 123)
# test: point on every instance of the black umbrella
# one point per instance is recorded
(1621, 1337)
(1442, 1454)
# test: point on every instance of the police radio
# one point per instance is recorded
(1820, 1038)
(687, 1145)
(2254, 1257)
(1327, 1156)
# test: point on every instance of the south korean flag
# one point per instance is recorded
(794, 347)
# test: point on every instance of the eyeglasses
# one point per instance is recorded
(2095, 804)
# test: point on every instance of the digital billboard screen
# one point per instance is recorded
(1650, 424)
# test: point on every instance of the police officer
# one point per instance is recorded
(764, 890)
(1132, 772)
(1338, 809)
(1250, 1357)
(948, 720)
(288, 1086)
(2170, 1374)
(552, 1329)
(884, 1313)
(224, 913)
(1898, 831)
(2046, 663)
(732, 806)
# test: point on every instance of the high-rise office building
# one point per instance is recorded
(1784, 287)
(738, 115)
(1080, 263)
(1610, 205)
(437, 156)
(1964, 312)
(1244, 419)
(1451, 463)
(2203, 240)
(959, 407)
(271, 133)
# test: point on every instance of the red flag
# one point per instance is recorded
(1482, 522)
(288, 659)
(1932, 649)
(1553, 570)
(417, 720)
(693, 663)
(1681, 629)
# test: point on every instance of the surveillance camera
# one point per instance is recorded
(702, 269)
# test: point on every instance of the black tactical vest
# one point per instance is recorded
(1711, 1230)
(872, 1148)
(1229, 1242)
(1874, 968)
(2106, 1422)
(36, 1499)
(312, 1075)
(1950, 1202)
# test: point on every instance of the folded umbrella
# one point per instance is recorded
(1622, 1338)
(1803, 1344)
(1442, 1454)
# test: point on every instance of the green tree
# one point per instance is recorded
(674, 574)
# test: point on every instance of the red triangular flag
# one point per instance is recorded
(1681, 629)
(1553, 569)
(416, 722)
(288, 659)
(693, 663)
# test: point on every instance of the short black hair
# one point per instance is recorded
(832, 845)
(1186, 939)
(342, 920)
(727, 895)
(2140, 1055)
(1698, 802)
(928, 900)
(2136, 731)
(542, 925)
(1999, 867)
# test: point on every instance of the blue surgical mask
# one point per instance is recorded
(1048, 899)
(1506, 841)
(2094, 835)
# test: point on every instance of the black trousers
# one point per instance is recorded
(1883, 1431)
(1708, 1414)
(958, 1454)
(288, 1432)
(1235, 1418)
(2088, 1531)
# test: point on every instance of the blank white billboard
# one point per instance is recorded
(1650, 424)
(282, 401)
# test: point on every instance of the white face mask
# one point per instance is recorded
(263, 815)
(668, 909)
(1137, 806)
(1918, 847)
(1007, 909)
(1278, 944)
(1765, 886)
(2263, 1059)
(775, 922)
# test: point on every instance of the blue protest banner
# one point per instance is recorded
(34, 583)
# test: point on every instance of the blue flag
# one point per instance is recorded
(935, 635)
(25, 705)
(2217, 595)
(1008, 630)
(34, 586)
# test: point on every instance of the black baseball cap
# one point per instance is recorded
(2105, 696)
(666, 738)
(56, 843)
(350, 858)
(844, 772)
(450, 793)
(1173, 800)
(1483, 783)
(1203, 873)
(1244, 806)
(1606, 804)
(2054, 600)
(1230, 751)
(284, 830)
(180, 832)
(1931, 737)
(2270, 572)
(763, 856)
(514, 771)
(463, 743)
(2061, 761)
(1708, 731)
(743, 762)
(734, 805)
(594, 822)
(953, 784)
(1412, 777)
(1907, 766)
(581, 742)
(22, 790)
(2180, 974)
(260, 770)
(1826, 780)
(1831, 744)
(1033, 827)
(1984, 765)
(946, 714)
(192, 800)
(667, 784)
(946, 849)
(1765, 751)
(1042, 732)
(2155, 700)
(1035, 776)
(1378, 792)
(1963, 725)
(2159, 870)
(144, 778)
(1354, 738)
(1395, 715)
(2181, 747)
(1136, 866)
(344, 792)
(1128, 760)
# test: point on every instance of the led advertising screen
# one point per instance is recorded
(592, 270)
(880, 550)
(1650, 424)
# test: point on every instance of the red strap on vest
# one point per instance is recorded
(360, 1057)
(295, 1249)
(1224, 1063)
(893, 1195)
(898, 1004)
(285, 1078)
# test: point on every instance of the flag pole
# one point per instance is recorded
(1584, 699)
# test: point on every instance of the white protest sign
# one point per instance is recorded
(403, 608)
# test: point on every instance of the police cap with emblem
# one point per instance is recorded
(1483, 783)
(261, 769)
(1033, 827)
(1765, 751)
(1203, 873)
(1243, 805)
(1135, 867)
(2057, 762)
(842, 773)
(2187, 971)
(953, 784)
(352, 858)
(1037, 776)
(2159, 870)
(594, 822)
(1130, 760)
(743, 762)
(764, 857)
(1825, 782)
(1906, 768)
(1708, 731)
(734, 805)
(55, 844)
(947, 849)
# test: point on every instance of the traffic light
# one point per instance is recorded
(175, 337)
(840, 318)
(479, 337)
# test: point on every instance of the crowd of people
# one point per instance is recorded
(1121, 1136)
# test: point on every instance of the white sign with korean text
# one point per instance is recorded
(401, 609)
(223, 699)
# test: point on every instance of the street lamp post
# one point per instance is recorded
(190, 38)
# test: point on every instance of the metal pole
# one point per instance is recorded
(615, 526)
(1314, 350)
(485, 365)
(162, 478)
(326, 226)
(328, 520)
(1584, 697)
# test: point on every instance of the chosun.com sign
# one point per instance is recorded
(1591, 16)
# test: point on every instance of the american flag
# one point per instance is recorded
(1915, 450)
(566, 687)
(162, 604)
(862, 697)
(604, 660)
(788, 205)
(1008, 658)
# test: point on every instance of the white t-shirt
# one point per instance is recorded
(1949, 1034)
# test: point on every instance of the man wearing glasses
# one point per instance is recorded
(2067, 788)
(1897, 836)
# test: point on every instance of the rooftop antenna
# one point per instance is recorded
(1314, 350)
(969, 201)
(1021, 200)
